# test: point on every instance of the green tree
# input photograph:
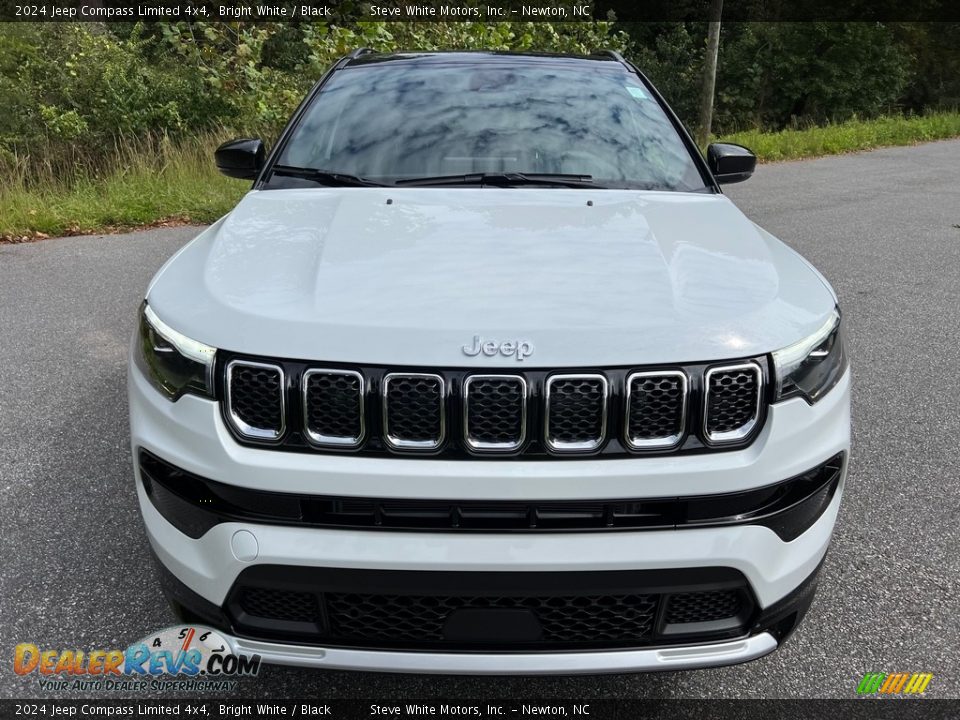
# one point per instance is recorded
(775, 75)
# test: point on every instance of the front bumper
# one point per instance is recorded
(771, 627)
(190, 434)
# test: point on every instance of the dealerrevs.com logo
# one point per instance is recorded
(894, 683)
(183, 657)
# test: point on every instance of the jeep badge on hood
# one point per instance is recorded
(520, 349)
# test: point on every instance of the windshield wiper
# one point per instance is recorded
(324, 177)
(509, 179)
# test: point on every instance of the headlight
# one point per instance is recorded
(174, 363)
(811, 367)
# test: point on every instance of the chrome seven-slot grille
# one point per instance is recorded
(566, 413)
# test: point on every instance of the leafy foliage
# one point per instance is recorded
(776, 75)
(71, 84)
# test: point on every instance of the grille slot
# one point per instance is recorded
(333, 410)
(415, 619)
(414, 415)
(255, 398)
(656, 409)
(576, 412)
(732, 402)
(495, 412)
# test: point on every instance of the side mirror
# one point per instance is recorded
(241, 158)
(730, 163)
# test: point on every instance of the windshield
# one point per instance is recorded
(401, 121)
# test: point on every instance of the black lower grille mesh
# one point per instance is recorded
(703, 606)
(284, 605)
(416, 618)
(384, 619)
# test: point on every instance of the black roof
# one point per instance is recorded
(483, 57)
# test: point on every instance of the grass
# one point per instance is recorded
(144, 183)
(851, 136)
(149, 182)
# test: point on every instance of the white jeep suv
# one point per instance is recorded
(485, 375)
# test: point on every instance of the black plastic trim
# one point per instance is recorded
(194, 504)
(187, 605)
(782, 618)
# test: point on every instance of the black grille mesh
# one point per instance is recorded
(703, 606)
(334, 405)
(421, 618)
(372, 619)
(495, 410)
(255, 395)
(414, 408)
(576, 410)
(286, 605)
(732, 400)
(656, 407)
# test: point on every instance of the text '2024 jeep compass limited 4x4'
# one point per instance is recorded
(485, 375)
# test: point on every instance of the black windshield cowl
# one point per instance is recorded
(324, 177)
(512, 179)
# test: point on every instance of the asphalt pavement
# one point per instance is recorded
(884, 227)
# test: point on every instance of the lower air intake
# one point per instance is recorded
(477, 610)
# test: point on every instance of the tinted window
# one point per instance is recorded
(394, 121)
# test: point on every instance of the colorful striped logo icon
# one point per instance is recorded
(894, 683)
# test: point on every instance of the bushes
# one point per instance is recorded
(77, 90)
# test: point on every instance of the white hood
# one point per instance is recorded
(409, 276)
